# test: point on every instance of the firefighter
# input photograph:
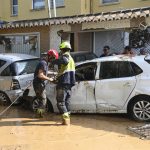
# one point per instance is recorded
(40, 76)
(65, 81)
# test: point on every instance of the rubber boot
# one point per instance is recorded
(65, 119)
(40, 113)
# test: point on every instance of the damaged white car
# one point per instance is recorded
(115, 84)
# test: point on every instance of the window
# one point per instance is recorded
(109, 1)
(14, 7)
(25, 67)
(25, 43)
(137, 70)
(118, 69)
(2, 62)
(86, 72)
(59, 3)
(109, 70)
(8, 71)
(38, 4)
(125, 69)
(20, 68)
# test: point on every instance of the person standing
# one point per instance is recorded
(40, 76)
(65, 81)
(106, 51)
(128, 51)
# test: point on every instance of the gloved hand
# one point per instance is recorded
(51, 79)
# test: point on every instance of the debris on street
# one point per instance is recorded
(142, 130)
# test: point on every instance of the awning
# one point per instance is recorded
(90, 18)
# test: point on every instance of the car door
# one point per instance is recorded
(116, 83)
(83, 98)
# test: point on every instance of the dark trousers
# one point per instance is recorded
(40, 92)
(63, 97)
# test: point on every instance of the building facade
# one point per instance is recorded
(31, 27)
(14, 10)
(113, 5)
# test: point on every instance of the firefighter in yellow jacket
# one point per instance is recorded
(66, 79)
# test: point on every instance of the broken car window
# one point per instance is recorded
(86, 72)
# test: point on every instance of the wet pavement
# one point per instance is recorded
(20, 130)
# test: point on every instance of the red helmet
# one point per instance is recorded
(53, 53)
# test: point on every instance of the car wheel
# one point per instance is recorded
(139, 109)
(35, 104)
(4, 100)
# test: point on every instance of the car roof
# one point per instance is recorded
(115, 58)
(15, 56)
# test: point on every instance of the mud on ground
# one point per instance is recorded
(20, 130)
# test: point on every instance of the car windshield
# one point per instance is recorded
(25, 66)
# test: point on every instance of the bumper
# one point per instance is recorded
(14, 95)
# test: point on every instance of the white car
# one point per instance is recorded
(114, 84)
(16, 72)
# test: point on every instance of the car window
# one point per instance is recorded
(9, 71)
(117, 69)
(108, 70)
(2, 62)
(20, 68)
(125, 69)
(25, 66)
(137, 70)
(86, 72)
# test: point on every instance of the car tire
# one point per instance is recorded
(35, 103)
(4, 99)
(139, 108)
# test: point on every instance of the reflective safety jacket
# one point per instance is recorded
(67, 71)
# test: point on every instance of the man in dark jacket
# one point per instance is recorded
(106, 51)
(40, 76)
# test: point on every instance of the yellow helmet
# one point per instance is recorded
(64, 45)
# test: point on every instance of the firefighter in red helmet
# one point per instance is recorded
(40, 76)
(52, 54)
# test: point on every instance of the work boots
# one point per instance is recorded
(40, 113)
(66, 119)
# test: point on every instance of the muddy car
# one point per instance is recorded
(114, 84)
(16, 73)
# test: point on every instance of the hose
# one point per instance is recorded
(1, 113)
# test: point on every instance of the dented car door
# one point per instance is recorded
(116, 83)
(83, 96)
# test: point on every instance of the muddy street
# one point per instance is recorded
(20, 130)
